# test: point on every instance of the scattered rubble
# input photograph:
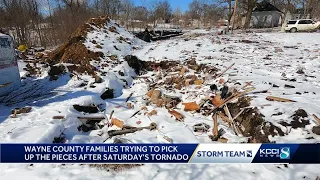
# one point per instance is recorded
(316, 129)
(86, 109)
(16, 111)
(300, 119)
(108, 94)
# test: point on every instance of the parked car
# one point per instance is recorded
(302, 25)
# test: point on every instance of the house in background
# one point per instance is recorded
(265, 15)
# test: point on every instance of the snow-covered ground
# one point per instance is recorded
(273, 59)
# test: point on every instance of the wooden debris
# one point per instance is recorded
(117, 122)
(224, 118)
(183, 70)
(130, 105)
(316, 118)
(187, 82)
(215, 125)
(247, 84)
(130, 95)
(58, 117)
(21, 110)
(220, 133)
(168, 139)
(221, 81)
(223, 140)
(152, 126)
(149, 93)
(176, 114)
(234, 126)
(134, 114)
(225, 70)
(201, 127)
(144, 108)
(279, 99)
(153, 112)
(14, 115)
(231, 98)
(111, 114)
(198, 82)
(191, 106)
(156, 94)
(217, 101)
(160, 103)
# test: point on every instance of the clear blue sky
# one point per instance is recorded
(182, 4)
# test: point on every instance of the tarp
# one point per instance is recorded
(9, 71)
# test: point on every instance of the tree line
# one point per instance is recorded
(50, 22)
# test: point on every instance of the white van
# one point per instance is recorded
(9, 71)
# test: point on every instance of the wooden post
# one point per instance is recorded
(234, 15)
(215, 124)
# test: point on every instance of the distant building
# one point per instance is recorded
(265, 15)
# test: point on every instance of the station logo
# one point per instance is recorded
(282, 153)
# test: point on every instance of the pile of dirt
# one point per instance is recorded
(252, 122)
(75, 52)
(300, 119)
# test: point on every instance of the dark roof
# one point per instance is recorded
(265, 6)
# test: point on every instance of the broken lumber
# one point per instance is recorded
(215, 125)
(231, 98)
(58, 117)
(234, 126)
(220, 133)
(225, 71)
(130, 95)
(279, 99)
(117, 122)
(21, 110)
(152, 126)
(191, 106)
(176, 114)
(224, 118)
(316, 118)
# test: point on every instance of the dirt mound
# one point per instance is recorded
(253, 122)
(140, 66)
(75, 52)
(300, 119)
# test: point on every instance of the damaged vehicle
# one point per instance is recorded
(9, 71)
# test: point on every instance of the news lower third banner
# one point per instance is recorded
(160, 153)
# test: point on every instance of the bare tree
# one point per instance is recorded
(163, 10)
(16, 18)
(248, 6)
(127, 9)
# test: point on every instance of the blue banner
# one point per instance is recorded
(96, 153)
(160, 153)
(288, 153)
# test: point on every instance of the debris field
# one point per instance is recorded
(106, 86)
